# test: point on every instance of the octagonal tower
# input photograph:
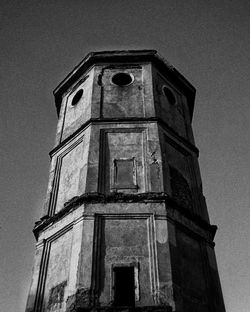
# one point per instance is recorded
(125, 224)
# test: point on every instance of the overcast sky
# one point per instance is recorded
(207, 41)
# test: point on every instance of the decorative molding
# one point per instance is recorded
(102, 184)
(115, 184)
(196, 203)
(38, 306)
(57, 174)
(153, 270)
(128, 120)
(173, 210)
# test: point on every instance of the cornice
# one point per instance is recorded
(99, 198)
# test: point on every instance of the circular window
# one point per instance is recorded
(122, 79)
(77, 97)
(169, 95)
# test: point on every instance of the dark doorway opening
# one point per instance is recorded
(124, 286)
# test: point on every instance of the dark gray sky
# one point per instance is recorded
(207, 41)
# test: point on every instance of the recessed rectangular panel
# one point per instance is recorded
(169, 105)
(124, 161)
(69, 174)
(191, 267)
(78, 105)
(125, 243)
(124, 173)
(57, 273)
(180, 171)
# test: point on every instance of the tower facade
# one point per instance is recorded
(125, 224)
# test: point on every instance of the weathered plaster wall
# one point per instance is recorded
(72, 163)
(57, 273)
(112, 101)
(191, 270)
(78, 114)
(124, 141)
(124, 242)
(194, 277)
(164, 262)
(103, 99)
(126, 101)
(68, 172)
(125, 207)
(35, 278)
(125, 146)
(181, 174)
(72, 117)
(176, 115)
(84, 272)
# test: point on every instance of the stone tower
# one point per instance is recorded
(125, 224)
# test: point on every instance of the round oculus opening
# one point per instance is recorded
(169, 95)
(77, 97)
(122, 79)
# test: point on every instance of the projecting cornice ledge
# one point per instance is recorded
(99, 198)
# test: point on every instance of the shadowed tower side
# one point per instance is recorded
(125, 224)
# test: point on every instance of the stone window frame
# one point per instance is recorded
(135, 265)
(115, 183)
